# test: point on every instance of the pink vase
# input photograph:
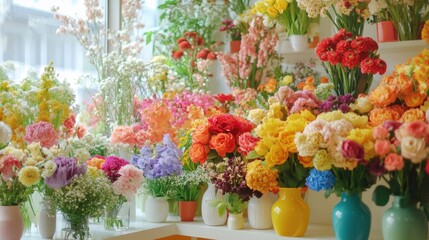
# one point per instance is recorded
(386, 32)
(11, 223)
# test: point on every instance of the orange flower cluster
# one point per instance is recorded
(403, 94)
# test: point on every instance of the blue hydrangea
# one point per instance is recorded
(161, 161)
(320, 180)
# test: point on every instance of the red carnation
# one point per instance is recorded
(177, 54)
(369, 65)
(341, 35)
(334, 57)
(180, 40)
(350, 59)
(184, 45)
(323, 47)
(224, 97)
(223, 123)
(244, 125)
(381, 65)
(343, 46)
(211, 56)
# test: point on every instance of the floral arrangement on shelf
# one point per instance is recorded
(247, 68)
(341, 143)
(402, 95)
(350, 62)
(403, 150)
(349, 15)
(218, 137)
(187, 185)
(159, 163)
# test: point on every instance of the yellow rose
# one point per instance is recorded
(272, 12)
(277, 155)
(322, 161)
(287, 140)
(356, 120)
(360, 135)
(362, 105)
(263, 147)
(256, 115)
(280, 5)
(260, 7)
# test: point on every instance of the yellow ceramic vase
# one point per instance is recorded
(290, 214)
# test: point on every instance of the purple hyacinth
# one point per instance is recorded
(161, 161)
(67, 169)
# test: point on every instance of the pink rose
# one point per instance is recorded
(352, 150)
(393, 162)
(247, 143)
(418, 129)
(41, 132)
(380, 132)
(140, 137)
(9, 166)
(382, 147)
(123, 134)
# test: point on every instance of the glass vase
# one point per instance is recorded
(117, 217)
(75, 228)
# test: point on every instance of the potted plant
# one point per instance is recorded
(186, 190)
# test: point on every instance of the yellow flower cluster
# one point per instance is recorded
(272, 8)
(357, 121)
(260, 177)
(364, 137)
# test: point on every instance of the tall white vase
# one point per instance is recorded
(47, 220)
(299, 42)
(210, 213)
(156, 209)
(259, 212)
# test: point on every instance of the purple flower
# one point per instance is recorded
(376, 167)
(67, 169)
(352, 150)
(161, 161)
(344, 108)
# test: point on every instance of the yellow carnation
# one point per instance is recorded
(256, 115)
(356, 120)
(308, 144)
(261, 178)
(361, 135)
(275, 111)
(277, 155)
(260, 7)
(287, 140)
(263, 147)
(28, 175)
(331, 116)
(322, 161)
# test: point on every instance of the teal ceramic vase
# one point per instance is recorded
(351, 218)
(404, 221)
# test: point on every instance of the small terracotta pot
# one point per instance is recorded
(187, 210)
(11, 223)
(234, 46)
(386, 32)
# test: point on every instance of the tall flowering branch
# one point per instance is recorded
(247, 68)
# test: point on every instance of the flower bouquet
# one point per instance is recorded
(159, 164)
(126, 180)
(350, 62)
(403, 151)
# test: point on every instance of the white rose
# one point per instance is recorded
(414, 149)
(48, 169)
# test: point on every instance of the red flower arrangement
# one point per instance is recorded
(350, 62)
(220, 137)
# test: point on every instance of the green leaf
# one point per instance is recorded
(252, 155)
(221, 208)
(148, 37)
(214, 203)
(381, 195)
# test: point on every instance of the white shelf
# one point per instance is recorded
(140, 229)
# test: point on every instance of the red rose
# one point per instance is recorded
(247, 143)
(224, 97)
(177, 54)
(350, 59)
(223, 123)
(184, 45)
(334, 57)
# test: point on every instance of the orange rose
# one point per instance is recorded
(223, 143)
(96, 162)
(198, 153)
(400, 82)
(398, 108)
(324, 80)
(201, 135)
(306, 161)
(382, 96)
(377, 116)
(413, 114)
(414, 99)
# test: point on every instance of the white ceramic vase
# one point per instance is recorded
(156, 209)
(235, 221)
(299, 42)
(259, 212)
(11, 223)
(210, 213)
(47, 220)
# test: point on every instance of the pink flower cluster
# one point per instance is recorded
(131, 135)
(299, 100)
(41, 132)
(111, 167)
(129, 181)
(9, 167)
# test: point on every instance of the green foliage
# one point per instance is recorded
(186, 187)
(292, 173)
(381, 195)
(158, 187)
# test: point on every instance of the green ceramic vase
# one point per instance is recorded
(404, 221)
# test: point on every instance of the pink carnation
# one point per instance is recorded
(9, 166)
(112, 166)
(41, 132)
(123, 134)
(128, 182)
(247, 143)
